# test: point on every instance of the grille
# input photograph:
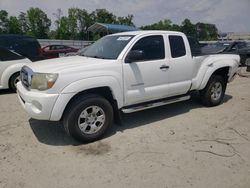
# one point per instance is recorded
(26, 75)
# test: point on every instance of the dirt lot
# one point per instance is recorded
(179, 145)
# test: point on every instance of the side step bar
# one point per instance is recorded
(154, 104)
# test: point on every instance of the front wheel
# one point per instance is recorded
(213, 93)
(88, 118)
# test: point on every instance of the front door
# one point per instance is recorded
(146, 71)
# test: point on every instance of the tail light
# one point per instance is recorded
(39, 51)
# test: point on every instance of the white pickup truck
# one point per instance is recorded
(124, 72)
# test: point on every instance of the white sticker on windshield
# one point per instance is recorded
(123, 38)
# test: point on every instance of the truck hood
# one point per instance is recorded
(68, 64)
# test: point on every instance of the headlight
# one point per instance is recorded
(43, 81)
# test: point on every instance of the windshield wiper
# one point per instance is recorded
(95, 56)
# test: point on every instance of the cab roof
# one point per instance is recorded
(142, 32)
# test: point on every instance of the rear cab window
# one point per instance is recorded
(177, 46)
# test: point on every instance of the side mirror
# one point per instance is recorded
(134, 55)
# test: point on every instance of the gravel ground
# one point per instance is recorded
(179, 145)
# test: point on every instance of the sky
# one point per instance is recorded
(228, 15)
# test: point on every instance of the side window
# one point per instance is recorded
(177, 46)
(242, 45)
(6, 55)
(47, 48)
(61, 47)
(151, 47)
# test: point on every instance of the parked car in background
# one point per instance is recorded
(79, 52)
(238, 47)
(10, 66)
(215, 47)
(54, 51)
(24, 45)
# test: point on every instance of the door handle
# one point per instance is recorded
(164, 67)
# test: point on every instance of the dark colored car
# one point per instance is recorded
(24, 45)
(238, 47)
(54, 51)
(214, 48)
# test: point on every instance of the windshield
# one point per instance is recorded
(108, 47)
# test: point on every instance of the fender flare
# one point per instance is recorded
(82, 85)
(210, 71)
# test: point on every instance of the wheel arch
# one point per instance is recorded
(103, 91)
(222, 71)
(107, 87)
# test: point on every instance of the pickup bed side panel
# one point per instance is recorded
(81, 85)
(209, 67)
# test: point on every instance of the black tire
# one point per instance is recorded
(208, 98)
(13, 81)
(71, 118)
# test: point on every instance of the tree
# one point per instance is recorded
(14, 26)
(127, 20)
(62, 32)
(206, 31)
(188, 28)
(103, 16)
(161, 25)
(38, 23)
(3, 21)
(85, 21)
(22, 19)
(176, 27)
(58, 16)
(72, 21)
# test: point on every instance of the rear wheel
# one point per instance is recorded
(88, 118)
(213, 93)
(13, 81)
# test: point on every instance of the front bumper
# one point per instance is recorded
(38, 105)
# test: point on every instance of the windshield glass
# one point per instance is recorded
(108, 47)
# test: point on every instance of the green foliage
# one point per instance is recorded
(14, 25)
(75, 24)
(62, 31)
(203, 31)
(23, 21)
(188, 28)
(38, 23)
(127, 20)
(207, 31)
(3, 21)
(103, 16)
(161, 25)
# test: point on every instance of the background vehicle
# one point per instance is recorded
(10, 66)
(238, 47)
(24, 45)
(79, 52)
(215, 47)
(54, 51)
(124, 72)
